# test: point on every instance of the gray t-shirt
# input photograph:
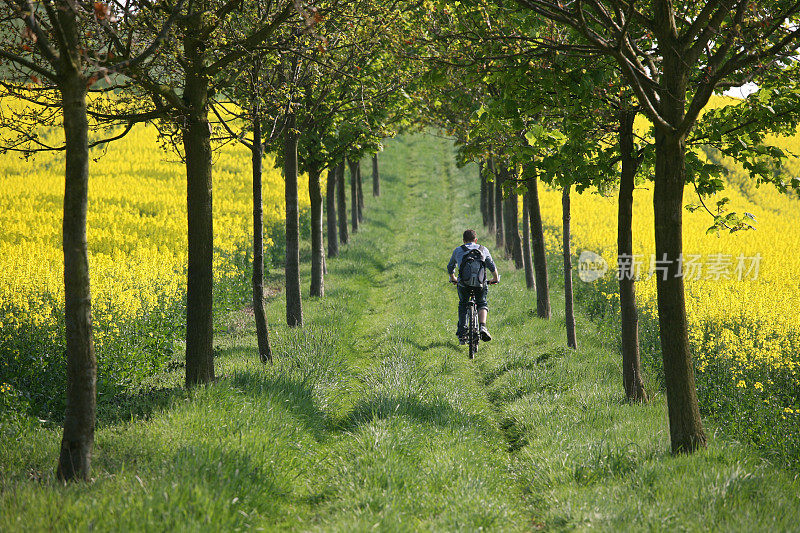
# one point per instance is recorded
(460, 252)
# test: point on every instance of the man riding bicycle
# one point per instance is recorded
(472, 260)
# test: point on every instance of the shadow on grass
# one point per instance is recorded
(490, 377)
(504, 396)
(378, 223)
(298, 396)
(228, 471)
(524, 364)
(295, 394)
(437, 412)
(514, 434)
(139, 405)
(558, 351)
(360, 263)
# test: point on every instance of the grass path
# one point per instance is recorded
(373, 418)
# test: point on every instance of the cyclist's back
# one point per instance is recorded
(469, 259)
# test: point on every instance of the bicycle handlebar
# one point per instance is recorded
(490, 282)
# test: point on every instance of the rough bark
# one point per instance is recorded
(539, 252)
(200, 274)
(317, 245)
(569, 307)
(508, 218)
(354, 218)
(341, 203)
(527, 260)
(685, 425)
(512, 248)
(376, 177)
(330, 205)
(516, 246)
(75, 458)
(259, 311)
(483, 201)
(631, 368)
(294, 306)
(498, 208)
(686, 429)
(489, 170)
(360, 191)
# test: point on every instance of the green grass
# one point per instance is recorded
(374, 418)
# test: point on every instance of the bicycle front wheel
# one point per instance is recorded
(473, 332)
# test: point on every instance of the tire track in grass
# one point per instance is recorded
(585, 459)
(419, 448)
(532, 434)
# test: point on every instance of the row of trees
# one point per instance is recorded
(534, 91)
(550, 91)
(304, 82)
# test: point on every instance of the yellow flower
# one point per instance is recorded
(745, 326)
(757, 385)
(136, 231)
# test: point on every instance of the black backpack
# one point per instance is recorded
(472, 271)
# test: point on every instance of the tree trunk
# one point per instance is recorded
(360, 190)
(200, 273)
(294, 306)
(260, 313)
(569, 308)
(482, 178)
(317, 246)
(75, 458)
(530, 282)
(498, 207)
(354, 218)
(341, 203)
(539, 252)
(516, 247)
(510, 221)
(686, 428)
(489, 170)
(629, 320)
(685, 425)
(330, 204)
(376, 177)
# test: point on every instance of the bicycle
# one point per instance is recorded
(473, 327)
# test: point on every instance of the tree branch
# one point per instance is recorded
(151, 49)
(245, 46)
(21, 61)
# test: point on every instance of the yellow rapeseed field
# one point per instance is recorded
(743, 291)
(136, 236)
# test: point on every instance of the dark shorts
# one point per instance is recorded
(480, 296)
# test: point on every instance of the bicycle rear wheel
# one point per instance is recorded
(473, 331)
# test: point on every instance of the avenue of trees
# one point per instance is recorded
(550, 91)
(537, 93)
(308, 75)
